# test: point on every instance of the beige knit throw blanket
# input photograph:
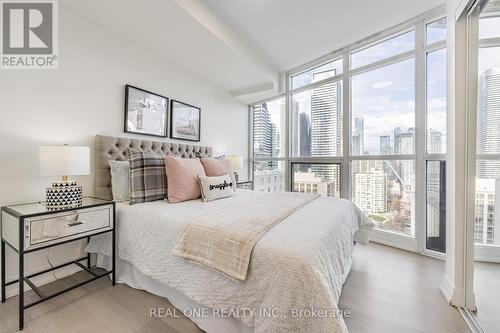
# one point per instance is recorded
(225, 239)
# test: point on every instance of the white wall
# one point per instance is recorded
(85, 97)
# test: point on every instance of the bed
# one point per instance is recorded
(296, 271)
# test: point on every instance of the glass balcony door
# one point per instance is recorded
(483, 205)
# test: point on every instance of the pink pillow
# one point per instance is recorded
(182, 178)
(214, 168)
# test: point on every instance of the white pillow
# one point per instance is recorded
(213, 188)
(120, 180)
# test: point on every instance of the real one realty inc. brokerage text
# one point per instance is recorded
(248, 312)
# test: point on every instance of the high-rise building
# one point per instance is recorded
(385, 145)
(407, 142)
(326, 117)
(305, 135)
(488, 122)
(358, 137)
(356, 144)
(370, 191)
(397, 140)
(487, 221)
(436, 198)
(434, 141)
(297, 137)
(487, 214)
(407, 146)
(262, 132)
(275, 144)
(385, 149)
(326, 125)
(266, 133)
(275, 140)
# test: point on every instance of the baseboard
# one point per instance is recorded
(456, 296)
(394, 240)
(470, 301)
(447, 288)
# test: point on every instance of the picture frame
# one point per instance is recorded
(146, 113)
(185, 121)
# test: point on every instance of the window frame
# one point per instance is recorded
(429, 22)
(305, 70)
(404, 55)
(419, 24)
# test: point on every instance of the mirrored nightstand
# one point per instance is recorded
(32, 227)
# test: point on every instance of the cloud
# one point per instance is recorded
(382, 84)
(437, 104)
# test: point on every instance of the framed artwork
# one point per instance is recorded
(185, 121)
(145, 112)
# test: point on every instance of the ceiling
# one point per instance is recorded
(290, 33)
(244, 45)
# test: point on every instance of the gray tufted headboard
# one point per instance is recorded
(112, 148)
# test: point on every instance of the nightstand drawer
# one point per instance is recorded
(55, 228)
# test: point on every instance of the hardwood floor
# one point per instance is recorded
(487, 289)
(391, 290)
(388, 290)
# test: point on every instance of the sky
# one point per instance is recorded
(489, 57)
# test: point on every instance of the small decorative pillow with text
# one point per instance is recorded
(219, 167)
(213, 188)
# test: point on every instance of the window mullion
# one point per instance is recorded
(384, 62)
(288, 139)
(250, 144)
(345, 190)
(420, 137)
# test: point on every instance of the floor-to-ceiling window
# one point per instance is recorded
(384, 132)
(367, 123)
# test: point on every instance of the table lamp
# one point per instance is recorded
(237, 163)
(64, 161)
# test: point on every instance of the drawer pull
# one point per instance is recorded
(73, 224)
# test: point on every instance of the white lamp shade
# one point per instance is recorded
(236, 161)
(64, 160)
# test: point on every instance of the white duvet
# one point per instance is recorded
(296, 271)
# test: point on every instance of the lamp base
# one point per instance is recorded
(64, 194)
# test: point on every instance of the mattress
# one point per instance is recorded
(299, 265)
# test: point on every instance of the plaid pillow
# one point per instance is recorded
(148, 178)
